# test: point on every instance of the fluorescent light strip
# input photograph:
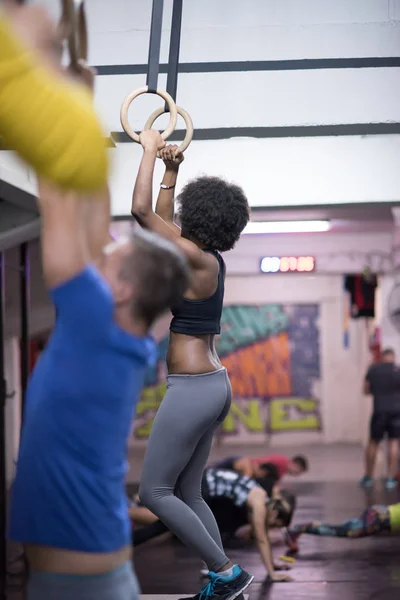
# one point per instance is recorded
(255, 227)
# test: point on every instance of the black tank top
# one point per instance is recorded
(201, 317)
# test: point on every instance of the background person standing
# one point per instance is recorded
(382, 381)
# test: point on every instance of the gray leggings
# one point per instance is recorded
(178, 449)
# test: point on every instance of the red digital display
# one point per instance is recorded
(287, 264)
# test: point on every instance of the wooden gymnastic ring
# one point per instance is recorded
(144, 90)
(74, 18)
(185, 116)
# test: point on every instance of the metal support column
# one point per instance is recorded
(153, 64)
(24, 311)
(174, 50)
(3, 474)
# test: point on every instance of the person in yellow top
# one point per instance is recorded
(45, 116)
(375, 520)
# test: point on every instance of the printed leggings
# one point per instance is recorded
(373, 521)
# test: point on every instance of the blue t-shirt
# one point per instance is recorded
(69, 490)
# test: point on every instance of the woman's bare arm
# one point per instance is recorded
(257, 506)
(142, 202)
(165, 201)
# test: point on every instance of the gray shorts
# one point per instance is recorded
(120, 584)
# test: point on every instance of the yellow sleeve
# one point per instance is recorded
(48, 121)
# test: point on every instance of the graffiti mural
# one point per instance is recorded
(271, 352)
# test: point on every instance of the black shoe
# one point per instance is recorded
(225, 588)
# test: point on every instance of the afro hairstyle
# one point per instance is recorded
(213, 212)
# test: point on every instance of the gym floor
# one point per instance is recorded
(325, 569)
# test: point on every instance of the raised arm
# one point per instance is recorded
(165, 201)
(95, 208)
(65, 252)
(82, 298)
(142, 201)
(257, 507)
(95, 223)
(75, 229)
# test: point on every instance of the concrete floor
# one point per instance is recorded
(326, 569)
(340, 462)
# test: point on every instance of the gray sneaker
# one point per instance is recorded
(366, 482)
(391, 484)
(225, 588)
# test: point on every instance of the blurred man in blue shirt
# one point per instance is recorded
(69, 507)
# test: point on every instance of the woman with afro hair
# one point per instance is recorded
(212, 215)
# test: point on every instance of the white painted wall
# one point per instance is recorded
(282, 172)
(390, 336)
(14, 171)
(264, 98)
(344, 410)
(335, 254)
(344, 413)
(289, 171)
(294, 171)
(273, 172)
(255, 30)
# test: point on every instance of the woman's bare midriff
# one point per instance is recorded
(192, 354)
(65, 562)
